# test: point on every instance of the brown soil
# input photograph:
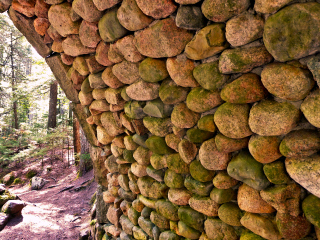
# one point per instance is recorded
(50, 215)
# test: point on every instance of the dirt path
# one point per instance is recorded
(50, 215)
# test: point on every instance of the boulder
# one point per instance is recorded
(156, 40)
(37, 183)
(309, 107)
(288, 25)
(4, 218)
(13, 207)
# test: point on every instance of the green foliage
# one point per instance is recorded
(17, 181)
(93, 198)
(93, 222)
(31, 173)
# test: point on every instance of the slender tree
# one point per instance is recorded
(52, 118)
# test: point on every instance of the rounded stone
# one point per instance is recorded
(311, 209)
(244, 28)
(190, 17)
(158, 126)
(286, 81)
(249, 200)
(173, 179)
(197, 187)
(179, 196)
(209, 77)
(208, 42)
(221, 196)
(217, 229)
(126, 72)
(162, 39)
(223, 181)
(211, 158)
(206, 123)
(87, 10)
(131, 17)
(176, 164)
(246, 89)
(110, 124)
(271, 118)
(143, 91)
(172, 141)
(181, 71)
(204, 205)
(171, 93)
(276, 172)
(243, 60)
(187, 150)
(202, 100)
(183, 117)
(310, 108)
(245, 168)
(230, 213)
(298, 19)
(267, 7)
(191, 217)
(300, 143)
(197, 136)
(264, 149)
(225, 144)
(153, 70)
(109, 27)
(158, 145)
(199, 173)
(157, 8)
(232, 120)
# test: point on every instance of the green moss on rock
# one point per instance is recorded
(158, 145)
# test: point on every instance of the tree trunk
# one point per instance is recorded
(13, 88)
(52, 119)
(85, 163)
(76, 139)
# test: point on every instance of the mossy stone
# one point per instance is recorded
(265, 149)
(276, 172)
(199, 173)
(140, 139)
(291, 227)
(300, 143)
(267, 7)
(260, 225)
(124, 94)
(248, 235)
(138, 233)
(183, 117)
(190, 17)
(158, 175)
(168, 235)
(158, 126)
(173, 141)
(85, 86)
(179, 196)
(230, 213)
(290, 21)
(146, 211)
(129, 143)
(134, 109)
(128, 156)
(211, 158)
(167, 209)
(311, 209)
(208, 42)
(223, 181)
(175, 163)
(160, 221)
(245, 168)
(221, 196)
(271, 118)
(187, 150)
(196, 187)
(217, 229)
(133, 215)
(202, 100)
(173, 179)
(209, 76)
(246, 89)
(204, 205)
(225, 144)
(187, 232)
(310, 108)
(191, 217)
(243, 60)
(158, 161)
(171, 93)
(150, 203)
(110, 124)
(196, 135)
(146, 225)
(149, 187)
(206, 123)
(158, 145)
(232, 120)
(286, 81)
(142, 156)
(153, 70)
(156, 108)
(109, 27)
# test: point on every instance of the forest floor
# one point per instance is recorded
(50, 215)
